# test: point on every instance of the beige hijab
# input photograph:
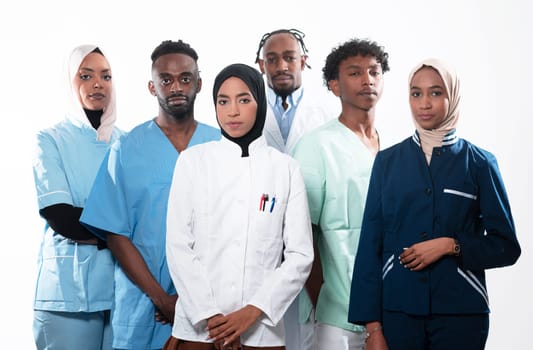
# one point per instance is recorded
(433, 138)
(75, 109)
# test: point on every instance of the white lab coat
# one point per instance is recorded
(223, 251)
(310, 113)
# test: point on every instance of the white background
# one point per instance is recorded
(487, 41)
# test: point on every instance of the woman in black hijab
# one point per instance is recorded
(253, 79)
(239, 240)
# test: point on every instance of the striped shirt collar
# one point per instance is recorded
(448, 139)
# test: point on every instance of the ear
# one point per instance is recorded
(261, 65)
(151, 87)
(303, 61)
(199, 85)
(333, 85)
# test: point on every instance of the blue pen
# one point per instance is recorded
(272, 205)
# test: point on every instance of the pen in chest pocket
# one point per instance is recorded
(263, 202)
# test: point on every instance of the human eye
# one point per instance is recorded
(107, 77)
(186, 79)
(166, 81)
(245, 100)
(436, 93)
(354, 73)
(271, 60)
(85, 76)
(222, 101)
(289, 58)
(375, 73)
(415, 94)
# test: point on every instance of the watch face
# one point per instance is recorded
(457, 248)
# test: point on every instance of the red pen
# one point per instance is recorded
(265, 200)
(262, 202)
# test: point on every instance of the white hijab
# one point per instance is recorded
(75, 108)
(433, 138)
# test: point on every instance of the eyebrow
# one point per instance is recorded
(356, 66)
(286, 52)
(92, 70)
(240, 94)
(431, 87)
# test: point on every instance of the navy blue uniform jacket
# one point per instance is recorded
(460, 195)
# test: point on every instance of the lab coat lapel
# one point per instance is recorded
(272, 132)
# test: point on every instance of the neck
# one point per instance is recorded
(361, 123)
(179, 132)
(363, 127)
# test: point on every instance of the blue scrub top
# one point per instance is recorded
(129, 198)
(72, 277)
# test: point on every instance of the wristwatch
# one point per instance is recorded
(456, 248)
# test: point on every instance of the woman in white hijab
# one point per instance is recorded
(75, 270)
(436, 217)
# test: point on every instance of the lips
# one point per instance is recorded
(368, 92)
(282, 77)
(425, 116)
(97, 96)
(233, 125)
(176, 99)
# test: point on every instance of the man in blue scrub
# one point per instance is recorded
(128, 203)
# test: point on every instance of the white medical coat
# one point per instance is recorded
(310, 113)
(224, 251)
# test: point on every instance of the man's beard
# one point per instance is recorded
(283, 92)
(178, 112)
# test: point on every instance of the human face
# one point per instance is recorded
(175, 82)
(360, 82)
(236, 107)
(92, 82)
(428, 98)
(282, 63)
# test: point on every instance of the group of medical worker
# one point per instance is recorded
(288, 227)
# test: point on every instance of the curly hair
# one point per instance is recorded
(350, 48)
(169, 46)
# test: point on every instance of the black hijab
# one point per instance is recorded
(253, 79)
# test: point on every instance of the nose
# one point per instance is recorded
(176, 86)
(425, 102)
(283, 65)
(97, 84)
(233, 110)
(368, 79)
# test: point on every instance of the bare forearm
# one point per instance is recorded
(315, 280)
(133, 264)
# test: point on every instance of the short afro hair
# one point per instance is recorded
(350, 48)
(169, 46)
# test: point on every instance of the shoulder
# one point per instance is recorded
(322, 133)
(477, 156)
(200, 152)
(399, 152)
(63, 131)
(208, 131)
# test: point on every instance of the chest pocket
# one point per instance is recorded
(268, 229)
(461, 202)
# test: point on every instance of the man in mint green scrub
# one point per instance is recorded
(336, 161)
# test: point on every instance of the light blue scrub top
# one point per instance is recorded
(71, 277)
(129, 198)
(336, 167)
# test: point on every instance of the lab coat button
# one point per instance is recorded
(428, 191)
(438, 153)
(424, 235)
